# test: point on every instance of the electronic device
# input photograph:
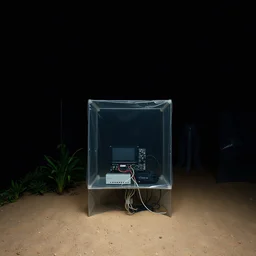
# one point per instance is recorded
(134, 156)
(147, 177)
(118, 178)
(124, 155)
(141, 166)
(122, 159)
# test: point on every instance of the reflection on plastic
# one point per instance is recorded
(228, 146)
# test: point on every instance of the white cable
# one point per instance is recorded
(128, 197)
(135, 182)
(130, 193)
(128, 205)
(128, 179)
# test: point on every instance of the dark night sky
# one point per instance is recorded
(199, 48)
(201, 56)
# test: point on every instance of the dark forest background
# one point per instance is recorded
(200, 56)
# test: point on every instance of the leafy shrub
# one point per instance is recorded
(38, 187)
(2, 198)
(16, 190)
(38, 182)
(38, 174)
(61, 170)
(13, 193)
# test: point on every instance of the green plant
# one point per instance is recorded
(35, 175)
(36, 178)
(38, 187)
(2, 198)
(7, 197)
(60, 170)
(2, 202)
(15, 191)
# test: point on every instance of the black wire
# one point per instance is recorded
(148, 199)
(154, 159)
(160, 196)
(157, 205)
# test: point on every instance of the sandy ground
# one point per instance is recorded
(208, 219)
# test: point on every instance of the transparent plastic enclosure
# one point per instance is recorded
(118, 126)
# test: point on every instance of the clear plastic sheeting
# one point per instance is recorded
(123, 124)
(128, 104)
(129, 149)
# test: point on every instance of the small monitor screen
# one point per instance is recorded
(123, 155)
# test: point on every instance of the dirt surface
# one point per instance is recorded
(208, 219)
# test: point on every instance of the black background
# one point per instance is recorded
(200, 55)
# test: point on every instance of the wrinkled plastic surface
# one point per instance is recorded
(129, 123)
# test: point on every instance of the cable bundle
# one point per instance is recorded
(129, 193)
